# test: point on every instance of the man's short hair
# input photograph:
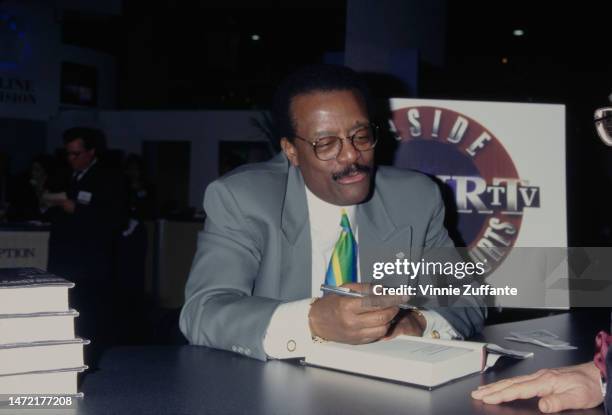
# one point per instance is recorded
(322, 78)
(92, 137)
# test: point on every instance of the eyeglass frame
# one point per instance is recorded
(74, 154)
(373, 126)
(599, 119)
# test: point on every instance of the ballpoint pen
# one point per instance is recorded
(347, 292)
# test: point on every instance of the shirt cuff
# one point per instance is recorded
(437, 327)
(288, 334)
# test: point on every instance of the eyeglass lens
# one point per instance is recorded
(328, 148)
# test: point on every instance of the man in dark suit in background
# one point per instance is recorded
(84, 235)
(94, 211)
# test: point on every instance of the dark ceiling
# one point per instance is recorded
(191, 55)
(203, 56)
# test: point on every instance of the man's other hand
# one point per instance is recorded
(573, 387)
(353, 320)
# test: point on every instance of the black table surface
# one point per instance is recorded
(199, 380)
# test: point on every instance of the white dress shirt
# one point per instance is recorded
(78, 175)
(288, 334)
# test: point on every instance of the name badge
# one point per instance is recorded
(84, 198)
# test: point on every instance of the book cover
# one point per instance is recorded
(30, 277)
(31, 290)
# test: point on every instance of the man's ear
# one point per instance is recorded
(290, 151)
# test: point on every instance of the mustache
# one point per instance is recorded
(353, 168)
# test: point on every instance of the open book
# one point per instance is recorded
(424, 362)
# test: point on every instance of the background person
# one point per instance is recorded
(84, 236)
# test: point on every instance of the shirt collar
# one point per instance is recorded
(325, 217)
(80, 174)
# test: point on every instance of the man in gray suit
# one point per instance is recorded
(272, 230)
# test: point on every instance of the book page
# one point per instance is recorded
(411, 350)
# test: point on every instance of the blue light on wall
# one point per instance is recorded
(15, 49)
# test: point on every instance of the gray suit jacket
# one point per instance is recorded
(255, 250)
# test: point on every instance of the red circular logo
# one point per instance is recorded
(468, 158)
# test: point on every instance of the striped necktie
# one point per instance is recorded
(342, 266)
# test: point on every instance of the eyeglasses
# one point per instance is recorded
(603, 124)
(327, 148)
(74, 153)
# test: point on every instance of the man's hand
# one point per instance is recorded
(353, 320)
(573, 387)
(409, 324)
(68, 206)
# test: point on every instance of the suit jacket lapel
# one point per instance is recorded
(295, 209)
(296, 255)
(379, 238)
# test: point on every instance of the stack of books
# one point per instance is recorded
(39, 352)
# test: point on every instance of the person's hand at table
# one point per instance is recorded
(409, 324)
(573, 387)
(68, 206)
(353, 320)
